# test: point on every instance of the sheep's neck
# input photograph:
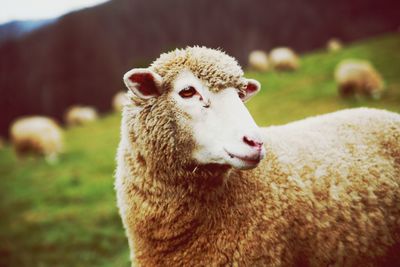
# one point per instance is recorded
(178, 210)
(166, 183)
(202, 184)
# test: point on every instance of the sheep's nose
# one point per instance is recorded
(257, 144)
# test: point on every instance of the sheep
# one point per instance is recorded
(334, 45)
(198, 183)
(358, 78)
(80, 115)
(119, 101)
(258, 61)
(37, 135)
(284, 59)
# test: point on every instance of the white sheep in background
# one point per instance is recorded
(119, 100)
(37, 135)
(258, 61)
(358, 77)
(80, 115)
(284, 59)
(199, 184)
(334, 45)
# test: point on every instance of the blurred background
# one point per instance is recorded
(59, 210)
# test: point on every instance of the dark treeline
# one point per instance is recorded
(81, 58)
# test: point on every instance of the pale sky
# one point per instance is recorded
(40, 9)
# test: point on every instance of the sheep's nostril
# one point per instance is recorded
(252, 143)
(248, 141)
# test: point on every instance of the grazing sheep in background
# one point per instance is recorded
(358, 77)
(37, 135)
(258, 61)
(119, 100)
(334, 45)
(78, 115)
(284, 59)
(193, 188)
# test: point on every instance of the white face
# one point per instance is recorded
(223, 129)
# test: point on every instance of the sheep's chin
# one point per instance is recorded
(196, 167)
(242, 165)
(224, 159)
(243, 161)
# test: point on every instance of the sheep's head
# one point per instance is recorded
(187, 107)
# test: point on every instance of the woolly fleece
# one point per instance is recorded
(284, 59)
(79, 115)
(358, 77)
(258, 61)
(37, 135)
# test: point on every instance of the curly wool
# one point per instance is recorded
(214, 67)
(340, 180)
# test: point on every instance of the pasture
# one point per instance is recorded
(65, 214)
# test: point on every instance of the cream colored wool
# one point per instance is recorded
(327, 193)
(283, 59)
(119, 100)
(258, 61)
(358, 77)
(79, 115)
(334, 45)
(214, 67)
(37, 135)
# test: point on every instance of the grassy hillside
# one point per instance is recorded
(312, 89)
(65, 214)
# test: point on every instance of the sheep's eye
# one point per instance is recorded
(241, 95)
(188, 92)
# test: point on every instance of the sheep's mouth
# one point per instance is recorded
(249, 160)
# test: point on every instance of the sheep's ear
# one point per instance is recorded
(252, 88)
(144, 83)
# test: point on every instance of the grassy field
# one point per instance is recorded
(65, 214)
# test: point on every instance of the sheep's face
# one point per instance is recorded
(218, 124)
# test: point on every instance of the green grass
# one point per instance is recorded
(65, 214)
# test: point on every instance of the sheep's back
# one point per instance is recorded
(340, 174)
